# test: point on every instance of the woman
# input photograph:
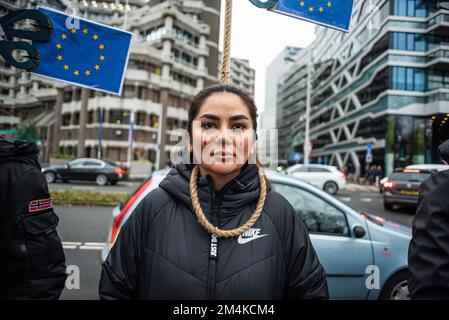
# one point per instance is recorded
(215, 230)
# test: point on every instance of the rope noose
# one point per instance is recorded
(225, 79)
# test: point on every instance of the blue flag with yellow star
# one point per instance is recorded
(330, 13)
(90, 55)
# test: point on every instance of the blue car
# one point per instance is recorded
(365, 256)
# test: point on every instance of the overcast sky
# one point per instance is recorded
(260, 35)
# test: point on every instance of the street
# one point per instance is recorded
(120, 187)
(84, 230)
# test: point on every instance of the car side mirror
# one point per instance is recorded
(67, 166)
(359, 232)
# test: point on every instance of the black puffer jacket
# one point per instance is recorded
(32, 261)
(163, 252)
(428, 257)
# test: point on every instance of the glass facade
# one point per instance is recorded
(411, 8)
(408, 78)
(409, 41)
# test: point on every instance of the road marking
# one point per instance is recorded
(83, 245)
(91, 248)
(345, 199)
(71, 243)
(366, 199)
(94, 244)
(69, 247)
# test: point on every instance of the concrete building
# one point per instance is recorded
(174, 55)
(383, 86)
(242, 75)
(268, 119)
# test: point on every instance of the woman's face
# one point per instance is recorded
(223, 133)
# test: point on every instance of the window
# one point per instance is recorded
(76, 163)
(318, 215)
(409, 41)
(92, 163)
(411, 8)
(317, 169)
(410, 79)
(301, 169)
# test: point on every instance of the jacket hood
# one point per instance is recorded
(235, 195)
(26, 152)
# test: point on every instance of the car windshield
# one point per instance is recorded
(410, 176)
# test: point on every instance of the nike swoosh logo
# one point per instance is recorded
(241, 240)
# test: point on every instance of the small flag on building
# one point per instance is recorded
(90, 55)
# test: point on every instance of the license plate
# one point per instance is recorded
(409, 193)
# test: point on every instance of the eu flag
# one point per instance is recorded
(330, 13)
(92, 55)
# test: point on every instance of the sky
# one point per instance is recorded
(260, 35)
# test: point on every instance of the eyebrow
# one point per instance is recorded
(231, 118)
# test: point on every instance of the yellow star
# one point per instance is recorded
(85, 31)
(95, 37)
(302, 4)
(73, 31)
(321, 9)
(64, 36)
(66, 67)
(97, 67)
(102, 57)
(59, 57)
(87, 72)
(101, 46)
(329, 4)
(58, 45)
(76, 73)
(311, 9)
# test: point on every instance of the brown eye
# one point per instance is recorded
(208, 125)
(238, 127)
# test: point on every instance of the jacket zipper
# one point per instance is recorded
(213, 256)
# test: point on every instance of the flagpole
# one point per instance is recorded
(100, 133)
(308, 103)
(130, 138)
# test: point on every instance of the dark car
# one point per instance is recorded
(96, 170)
(402, 187)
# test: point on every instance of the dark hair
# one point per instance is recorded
(199, 99)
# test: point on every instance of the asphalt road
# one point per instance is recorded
(84, 230)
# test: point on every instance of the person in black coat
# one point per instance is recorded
(32, 260)
(428, 256)
(214, 228)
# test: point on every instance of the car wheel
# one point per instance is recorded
(102, 180)
(113, 183)
(331, 187)
(50, 176)
(388, 206)
(396, 288)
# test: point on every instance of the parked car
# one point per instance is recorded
(86, 169)
(402, 187)
(327, 178)
(349, 244)
(430, 167)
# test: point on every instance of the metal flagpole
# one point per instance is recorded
(307, 145)
(130, 138)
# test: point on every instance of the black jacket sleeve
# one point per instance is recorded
(428, 255)
(305, 276)
(119, 276)
(33, 260)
